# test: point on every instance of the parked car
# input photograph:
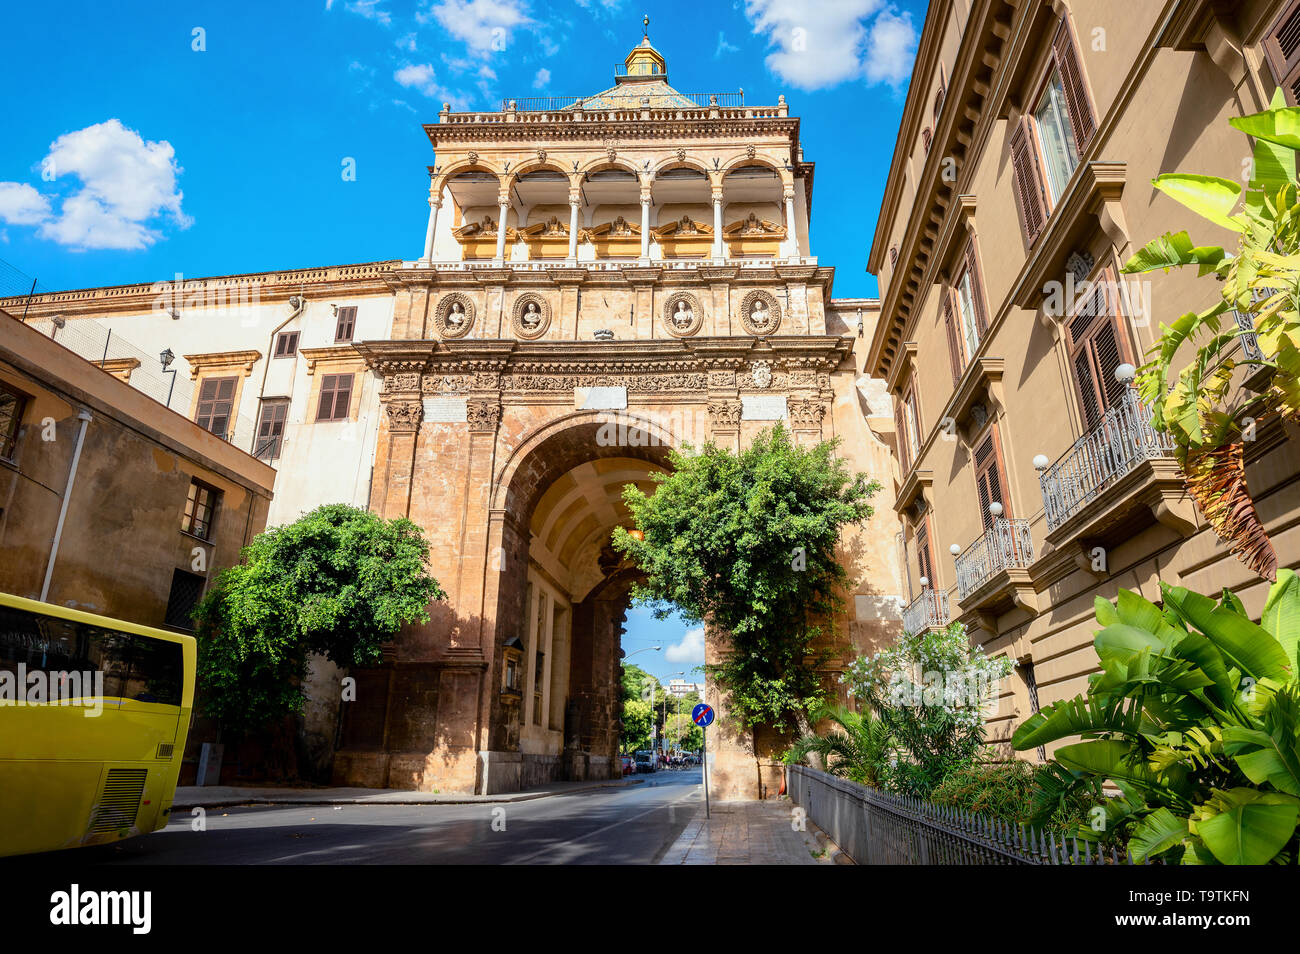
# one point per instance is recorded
(628, 764)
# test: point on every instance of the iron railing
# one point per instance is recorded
(1123, 439)
(1004, 546)
(927, 610)
(876, 828)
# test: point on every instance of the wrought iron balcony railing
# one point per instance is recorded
(1112, 449)
(928, 610)
(1006, 545)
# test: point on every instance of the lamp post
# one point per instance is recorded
(166, 357)
(648, 649)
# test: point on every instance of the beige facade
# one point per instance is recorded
(98, 502)
(1019, 187)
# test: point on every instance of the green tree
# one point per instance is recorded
(1195, 718)
(857, 747)
(637, 723)
(746, 543)
(1204, 405)
(339, 581)
(929, 690)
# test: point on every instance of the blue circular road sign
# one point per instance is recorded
(702, 715)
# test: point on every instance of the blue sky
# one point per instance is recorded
(133, 156)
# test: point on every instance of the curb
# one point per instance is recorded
(836, 854)
(504, 798)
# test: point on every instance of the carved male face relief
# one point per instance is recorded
(532, 317)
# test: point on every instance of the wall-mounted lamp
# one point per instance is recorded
(166, 358)
(954, 549)
(995, 509)
(1041, 462)
(1125, 373)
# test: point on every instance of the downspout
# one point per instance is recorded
(84, 417)
(299, 305)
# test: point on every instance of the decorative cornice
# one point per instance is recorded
(222, 359)
(335, 353)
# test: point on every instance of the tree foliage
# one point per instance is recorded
(857, 746)
(1195, 718)
(747, 544)
(339, 581)
(929, 690)
(1203, 405)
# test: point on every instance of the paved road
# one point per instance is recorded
(627, 825)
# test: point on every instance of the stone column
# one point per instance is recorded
(503, 205)
(645, 224)
(791, 234)
(718, 252)
(575, 203)
(435, 202)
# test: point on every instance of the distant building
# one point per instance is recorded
(680, 687)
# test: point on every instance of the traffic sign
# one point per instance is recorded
(702, 715)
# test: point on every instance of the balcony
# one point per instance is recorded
(1120, 463)
(994, 569)
(927, 611)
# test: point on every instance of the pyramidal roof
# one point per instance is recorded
(632, 95)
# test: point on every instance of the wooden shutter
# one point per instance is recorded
(1282, 49)
(216, 400)
(270, 429)
(904, 458)
(346, 324)
(1030, 199)
(955, 353)
(923, 562)
(286, 344)
(976, 290)
(989, 482)
(1097, 348)
(1077, 100)
(912, 417)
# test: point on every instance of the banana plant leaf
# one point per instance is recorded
(1243, 826)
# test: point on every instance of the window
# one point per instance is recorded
(335, 396)
(143, 668)
(347, 322)
(964, 314)
(216, 401)
(923, 562)
(913, 422)
(1282, 48)
(906, 454)
(990, 482)
(1055, 141)
(926, 137)
(270, 429)
(286, 344)
(1047, 143)
(184, 596)
(1097, 348)
(200, 507)
(11, 418)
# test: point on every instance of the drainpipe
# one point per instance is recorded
(84, 417)
(299, 304)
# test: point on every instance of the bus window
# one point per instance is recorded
(156, 671)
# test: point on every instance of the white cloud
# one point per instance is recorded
(371, 10)
(542, 79)
(421, 78)
(689, 650)
(891, 49)
(483, 25)
(20, 204)
(406, 43)
(724, 46)
(836, 44)
(125, 183)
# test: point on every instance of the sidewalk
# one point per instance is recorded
(747, 833)
(220, 796)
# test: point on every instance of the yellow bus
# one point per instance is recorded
(93, 718)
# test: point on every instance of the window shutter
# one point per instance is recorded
(1029, 188)
(903, 455)
(954, 345)
(1282, 49)
(913, 416)
(1076, 91)
(923, 562)
(346, 323)
(1097, 349)
(977, 289)
(326, 406)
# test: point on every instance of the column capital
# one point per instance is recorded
(575, 199)
(716, 193)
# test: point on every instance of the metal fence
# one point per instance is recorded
(927, 610)
(1007, 544)
(1123, 439)
(876, 828)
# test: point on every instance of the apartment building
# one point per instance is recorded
(1029, 481)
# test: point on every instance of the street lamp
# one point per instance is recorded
(167, 358)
